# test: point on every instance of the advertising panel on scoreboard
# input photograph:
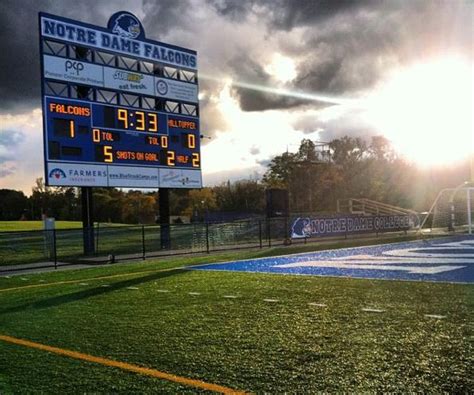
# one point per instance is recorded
(116, 120)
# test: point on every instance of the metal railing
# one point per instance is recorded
(46, 248)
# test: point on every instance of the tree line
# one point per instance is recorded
(316, 177)
(131, 207)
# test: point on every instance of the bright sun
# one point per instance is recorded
(427, 111)
(282, 68)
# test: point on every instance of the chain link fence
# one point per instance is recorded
(46, 248)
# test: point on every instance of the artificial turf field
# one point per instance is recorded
(247, 332)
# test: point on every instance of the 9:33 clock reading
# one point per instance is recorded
(137, 120)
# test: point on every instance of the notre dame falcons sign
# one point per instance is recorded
(119, 110)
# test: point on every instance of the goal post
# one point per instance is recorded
(452, 210)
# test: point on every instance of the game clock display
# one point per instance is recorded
(81, 131)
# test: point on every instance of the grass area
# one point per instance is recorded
(14, 226)
(243, 343)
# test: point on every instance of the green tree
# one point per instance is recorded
(200, 201)
(139, 208)
(243, 196)
(13, 205)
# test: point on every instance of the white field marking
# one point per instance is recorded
(419, 252)
(105, 285)
(134, 288)
(317, 304)
(370, 310)
(162, 290)
(271, 300)
(6, 277)
(462, 244)
(83, 284)
(42, 281)
(230, 296)
(194, 293)
(342, 265)
(439, 317)
(23, 278)
(428, 259)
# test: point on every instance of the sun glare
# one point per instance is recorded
(283, 69)
(426, 111)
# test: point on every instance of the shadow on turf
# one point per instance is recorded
(91, 292)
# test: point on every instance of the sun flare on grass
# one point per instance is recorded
(426, 111)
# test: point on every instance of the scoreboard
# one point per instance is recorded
(123, 114)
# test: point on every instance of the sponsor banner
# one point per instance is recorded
(72, 70)
(72, 174)
(176, 90)
(126, 176)
(130, 81)
(124, 36)
(337, 226)
(180, 178)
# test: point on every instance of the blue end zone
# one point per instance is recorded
(445, 260)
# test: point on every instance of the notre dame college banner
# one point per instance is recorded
(305, 227)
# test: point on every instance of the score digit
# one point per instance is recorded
(170, 158)
(191, 141)
(196, 160)
(122, 115)
(108, 156)
(71, 129)
(153, 121)
(140, 120)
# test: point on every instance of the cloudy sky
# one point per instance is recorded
(273, 72)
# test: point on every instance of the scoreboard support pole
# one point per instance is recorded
(87, 220)
(164, 207)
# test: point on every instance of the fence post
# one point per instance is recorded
(97, 239)
(260, 232)
(207, 237)
(269, 232)
(54, 250)
(143, 242)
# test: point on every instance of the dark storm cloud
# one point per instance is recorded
(19, 57)
(246, 70)
(287, 14)
(165, 15)
(347, 47)
(234, 9)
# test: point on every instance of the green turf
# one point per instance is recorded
(243, 343)
(13, 226)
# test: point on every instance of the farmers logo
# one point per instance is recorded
(57, 174)
(125, 25)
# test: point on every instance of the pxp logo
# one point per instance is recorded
(73, 66)
(162, 87)
(125, 25)
(57, 174)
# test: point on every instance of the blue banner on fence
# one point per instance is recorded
(304, 227)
